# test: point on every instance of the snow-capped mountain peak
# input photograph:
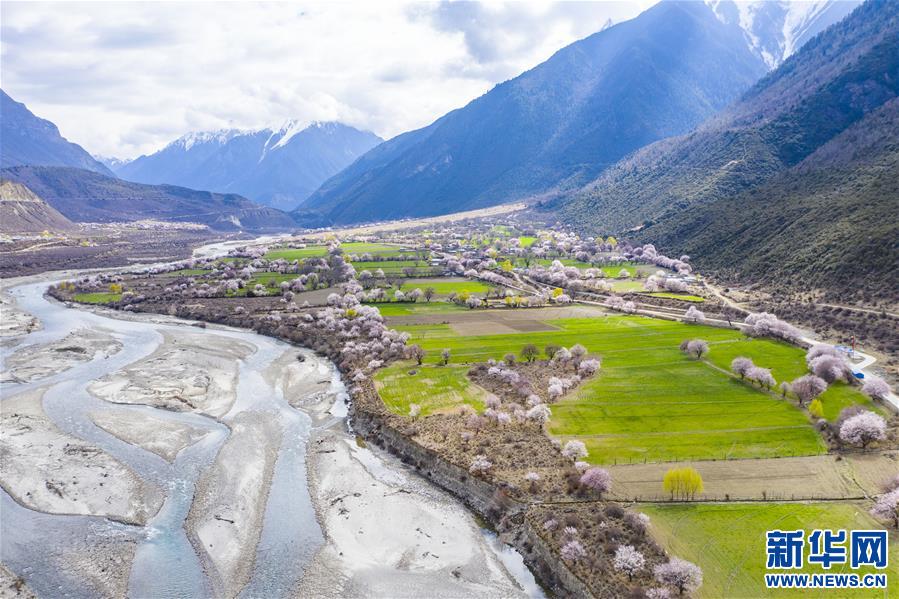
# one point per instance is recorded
(220, 137)
(281, 136)
(775, 29)
(278, 166)
(111, 161)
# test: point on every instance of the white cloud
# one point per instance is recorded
(126, 78)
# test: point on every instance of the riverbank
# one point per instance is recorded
(390, 533)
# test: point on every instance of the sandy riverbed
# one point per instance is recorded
(14, 322)
(47, 470)
(12, 586)
(225, 519)
(389, 532)
(40, 361)
(189, 372)
(302, 381)
(163, 437)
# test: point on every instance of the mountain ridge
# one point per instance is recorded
(30, 140)
(85, 196)
(278, 167)
(693, 193)
(556, 125)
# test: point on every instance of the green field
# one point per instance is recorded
(421, 307)
(787, 363)
(526, 241)
(678, 296)
(612, 271)
(443, 287)
(97, 298)
(650, 401)
(320, 250)
(392, 267)
(434, 388)
(265, 278)
(728, 542)
(626, 286)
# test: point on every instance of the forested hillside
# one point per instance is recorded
(795, 183)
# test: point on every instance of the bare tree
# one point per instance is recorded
(417, 353)
(529, 352)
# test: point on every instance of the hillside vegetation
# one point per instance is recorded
(794, 184)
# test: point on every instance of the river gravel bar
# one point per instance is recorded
(46, 470)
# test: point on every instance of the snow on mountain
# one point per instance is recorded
(775, 29)
(277, 166)
(220, 137)
(111, 161)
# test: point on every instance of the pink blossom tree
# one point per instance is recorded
(572, 551)
(887, 507)
(697, 347)
(628, 560)
(574, 449)
(863, 428)
(480, 465)
(741, 365)
(694, 315)
(876, 388)
(680, 574)
(597, 479)
(808, 387)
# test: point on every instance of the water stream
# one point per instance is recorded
(290, 533)
(165, 563)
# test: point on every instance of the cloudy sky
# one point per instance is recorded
(124, 79)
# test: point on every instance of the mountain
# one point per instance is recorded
(86, 196)
(794, 185)
(556, 126)
(21, 211)
(278, 168)
(111, 162)
(775, 29)
(29, 140)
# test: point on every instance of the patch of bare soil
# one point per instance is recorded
(809, 477)
(100, 250)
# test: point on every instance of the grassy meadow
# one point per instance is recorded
(97, 298)
(434, 388)
(443, 287)
(728, 542)
(651, 402)
(314, 251)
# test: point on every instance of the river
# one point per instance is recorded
(166, 563)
